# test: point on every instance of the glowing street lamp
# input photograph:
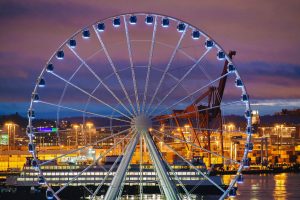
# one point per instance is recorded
(263, 133)
(75, 126)
(231, 127)
(89, 125)
(11, 131)
(277, 133)
(186, 126)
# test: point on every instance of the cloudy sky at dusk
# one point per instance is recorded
(265, 34)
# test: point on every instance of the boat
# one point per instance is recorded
(59, 174)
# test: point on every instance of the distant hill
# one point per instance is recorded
(15, 118)
(288, 117)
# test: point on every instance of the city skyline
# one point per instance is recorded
(35, 30)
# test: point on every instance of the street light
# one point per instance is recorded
(75, 126)
(231, 127)
(89, 125)
(280, 135)
(277, 132)
(11, 130)
(263, 133)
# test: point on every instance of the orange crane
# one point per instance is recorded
(205, 115)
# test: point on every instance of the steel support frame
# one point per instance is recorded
(167, 184)
(119, 178)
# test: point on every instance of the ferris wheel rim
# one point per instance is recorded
(157, 15)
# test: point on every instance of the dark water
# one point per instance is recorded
(270, 186)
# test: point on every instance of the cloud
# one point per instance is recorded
(266, 44)
(277, 102)
(270, 106)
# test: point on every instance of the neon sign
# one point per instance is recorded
(47, 129)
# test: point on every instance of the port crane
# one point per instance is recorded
(204, 112)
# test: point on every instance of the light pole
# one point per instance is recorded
(277, 132)
(89, 125)
(75, 126)
(280, 135)
(8, 134)
(10, 125)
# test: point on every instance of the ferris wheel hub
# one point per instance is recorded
(141, 123)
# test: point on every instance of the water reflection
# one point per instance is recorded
(160, 197)
(269, 186)
(255, 187)
(227, 179)
(280, 186)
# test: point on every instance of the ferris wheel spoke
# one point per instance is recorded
(116, 126)
(158, 180)
(180, 182)
(200, 182)
(64, 91)
(117, 184)
(105, 178)
(174, 78)
(178, 179)
(99, 79)
(232, 182)
(169, 187)
(89, 94)
(202, 129)
(141, 168)
(95, 89)
(87, 189)
(179, 82)
(183, 52)
(191, 94)
(108, 173)
(199, 110)
(190, 164)
(89, 100)
(210, 79)
(167, 68)
(82, 111)
(88, 145)
(114, 69)
(131, 66)
(197, 146)
(93, 163)
(149, 64)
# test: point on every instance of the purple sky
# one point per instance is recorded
(265, 34)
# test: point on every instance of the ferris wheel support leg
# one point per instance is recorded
(222, 147)
(119, 178)
(141, 168)
(208, 148)
(168, 186)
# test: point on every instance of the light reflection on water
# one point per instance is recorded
(159, 197)
(255, 187)
(269, 186)
(280, 185)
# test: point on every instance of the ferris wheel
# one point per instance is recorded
(160, 90)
